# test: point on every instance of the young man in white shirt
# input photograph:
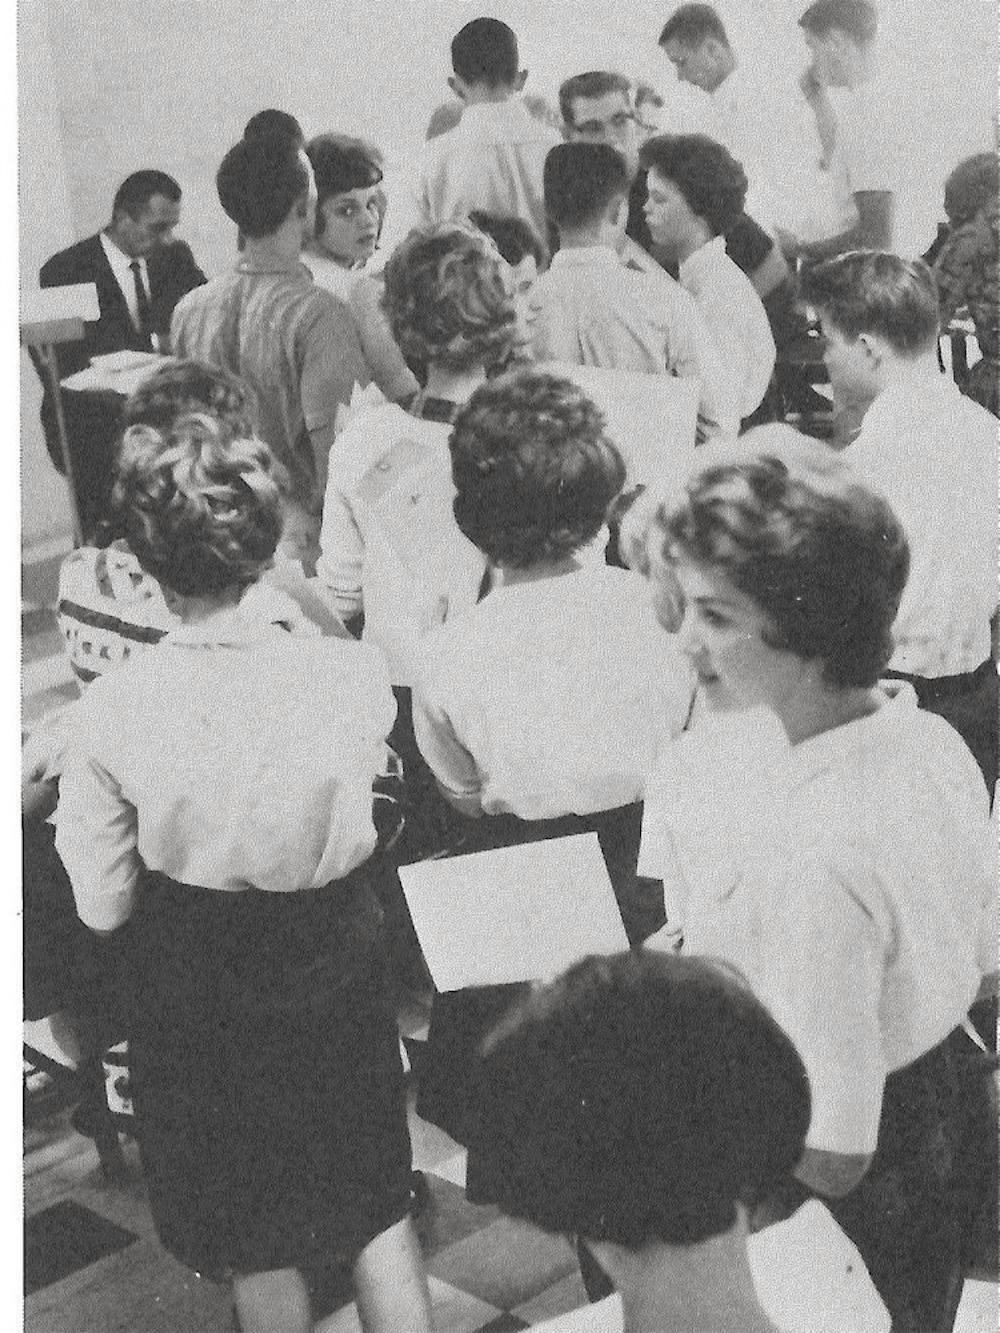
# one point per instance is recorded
(841, 37)
(933, 454)
(595, 308)
(696, 189)
(493, 158)
(765, 127)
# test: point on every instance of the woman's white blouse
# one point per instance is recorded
(551, 697)
(244, 762)
(847, 877)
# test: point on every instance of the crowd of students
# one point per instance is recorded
(770, 691)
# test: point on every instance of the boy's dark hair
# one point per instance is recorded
(136, 190)
(857, 18)
(690, 25)
(512, 236)
(712, 182)
(485, 52)
(581, 181)
(260, 181)
(592, 83)
(872, 291)
(271, 121)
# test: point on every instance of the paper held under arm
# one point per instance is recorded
(522, 913)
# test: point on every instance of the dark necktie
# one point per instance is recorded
(141, 298)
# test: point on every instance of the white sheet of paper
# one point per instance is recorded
(521, 913)
(651, 418)
(76, 301)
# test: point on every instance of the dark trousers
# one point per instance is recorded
(93, 426)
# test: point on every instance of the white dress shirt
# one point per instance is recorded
(234, 757)
(932, 453)
(121, 267)
(389, 542)
(551, 697)
(736, 320)
(809, 1278)
(847, 877)
(491, 160)
(771, 132)
(593, 309)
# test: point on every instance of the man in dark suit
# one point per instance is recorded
(140, 273)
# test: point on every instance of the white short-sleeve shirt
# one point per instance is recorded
(847, 877)
(551, 697)
(231, 759)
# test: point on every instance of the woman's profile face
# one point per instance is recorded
(350, 225)
(722, 634)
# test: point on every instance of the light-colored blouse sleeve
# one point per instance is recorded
(385, 361)
(96, 830)
(821, 976)
(451, 763)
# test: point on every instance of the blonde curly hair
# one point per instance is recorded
(199, 505)
(446, 298)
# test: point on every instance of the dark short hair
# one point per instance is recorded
(824, 557)
(271, 121)
(340, 162)
(712, 182)
(515, 238)
(136, 190)
(857, 18)
(639, 1098)
(690, 25)
(446, 299)
(593, 83)
(260, 181)
(534, 470)
(485, 51)
(200, 509)
(974, 184)
(872, 291)
(185, 386)
(581, 181)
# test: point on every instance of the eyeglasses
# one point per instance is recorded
(619, 121)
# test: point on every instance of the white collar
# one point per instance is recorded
(587, 256)
(120, 262)
(910, 397)
(496, 113)
(704, 259)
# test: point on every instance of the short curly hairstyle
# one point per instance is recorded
(791, 526)
(184, 386)
(973, 185)
(713, 183)
(872, 291)
(201, 510)
(446, 299)
(534, 470)
(637, 1099)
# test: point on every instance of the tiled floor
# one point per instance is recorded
(487, 1273)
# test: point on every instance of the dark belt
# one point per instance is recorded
(944, 687)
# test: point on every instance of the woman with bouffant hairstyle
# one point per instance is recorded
(216, 808)
(832, 842)
(448, 301)
(540, 712)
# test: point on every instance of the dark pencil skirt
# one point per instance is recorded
(266, 1076)
(461, 1019)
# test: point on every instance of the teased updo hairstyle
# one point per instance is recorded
(973, 185)
(534, 470)
(341, 163)
(790, 526)
(184, 386)
(446, 299)
(200, 508)
(637, 1099)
